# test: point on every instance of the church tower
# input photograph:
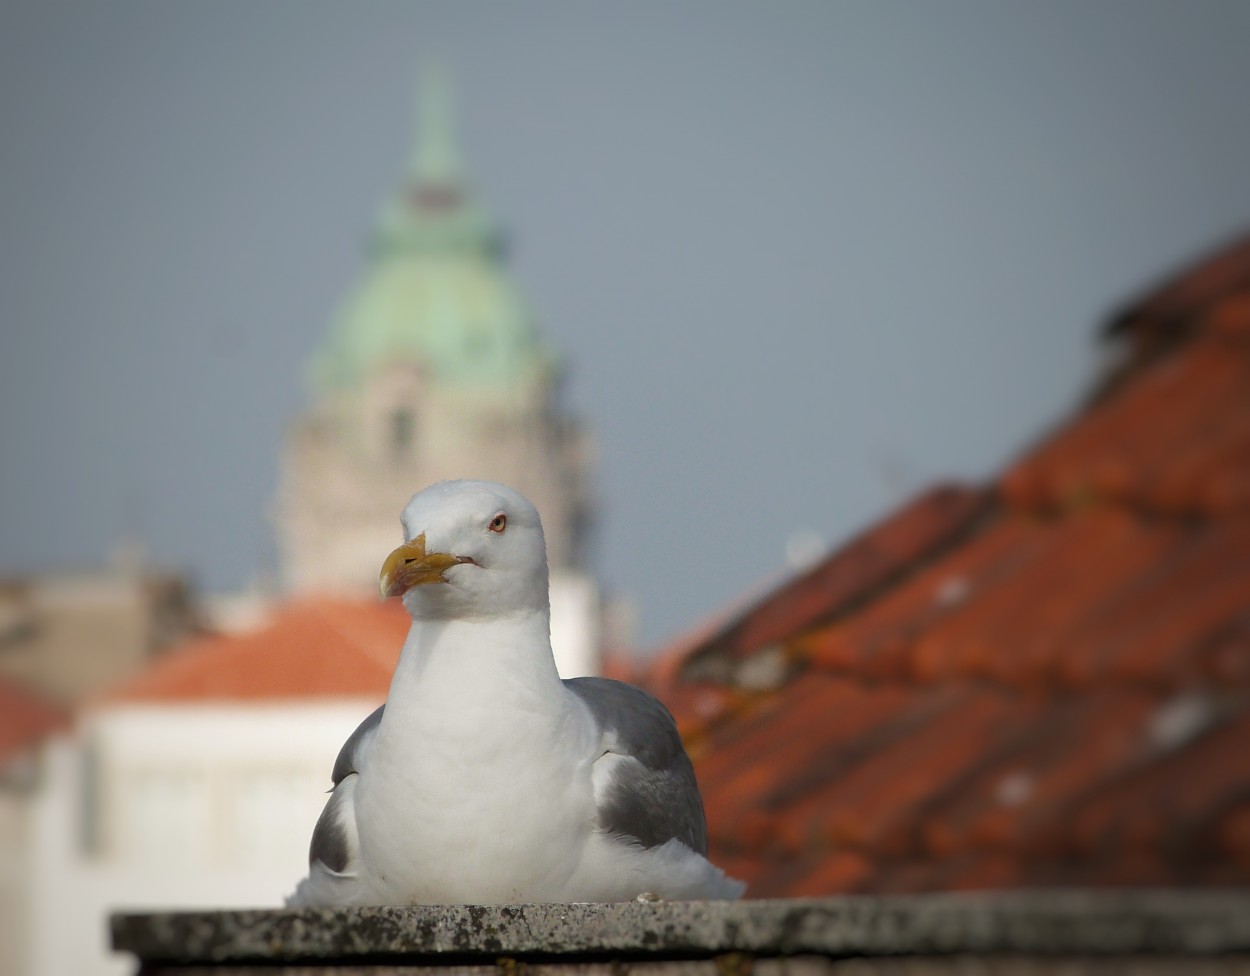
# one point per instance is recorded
(434, 369)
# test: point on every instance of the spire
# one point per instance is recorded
(436, 290)
(435, 206)
(435, 158)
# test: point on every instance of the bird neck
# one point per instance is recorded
(509, 656)
(467, 689)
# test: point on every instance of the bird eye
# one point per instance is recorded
(498, 523)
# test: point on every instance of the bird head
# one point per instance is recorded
(473, 549)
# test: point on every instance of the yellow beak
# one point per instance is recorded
(410, 565)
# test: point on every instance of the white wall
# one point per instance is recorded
(576, 624)
(15, 862)
(194, 806)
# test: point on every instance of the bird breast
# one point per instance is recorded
(474, 768)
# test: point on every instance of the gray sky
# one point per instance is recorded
(802, 258)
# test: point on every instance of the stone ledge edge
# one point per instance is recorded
(1199, 923)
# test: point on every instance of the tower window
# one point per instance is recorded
(436, 198)
(403, 433)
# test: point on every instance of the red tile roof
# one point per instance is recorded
(310, 648)
(1042, 681)
(25, 720)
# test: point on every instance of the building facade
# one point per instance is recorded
(434, 370)
(67, 635)
(194, 784)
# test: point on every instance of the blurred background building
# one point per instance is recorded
(27, 725)
(127, 612)
(203, 733)
(435, 370)
(198, 781)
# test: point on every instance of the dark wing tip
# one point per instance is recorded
(329, 839)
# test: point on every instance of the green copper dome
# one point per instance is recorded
(435, 293)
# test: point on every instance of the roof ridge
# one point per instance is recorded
(1172, 297)
(875, 561)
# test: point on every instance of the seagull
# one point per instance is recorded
(486, 778)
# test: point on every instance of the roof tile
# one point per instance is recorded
(321, 648)
(933, 521)
(1040, 684)
(1150, 446)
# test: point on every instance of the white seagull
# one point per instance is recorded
(485, 778)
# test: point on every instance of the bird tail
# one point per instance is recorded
(324, 888)
(302, 896)
(676, 872)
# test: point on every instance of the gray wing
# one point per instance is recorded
(331, 840)
(652, 795)
(351, 756)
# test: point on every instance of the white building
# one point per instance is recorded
(26, 722)
(198, 783)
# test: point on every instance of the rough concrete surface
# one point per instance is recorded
(793, 966)
(1051, 923)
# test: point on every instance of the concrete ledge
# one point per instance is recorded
(1051, 923)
